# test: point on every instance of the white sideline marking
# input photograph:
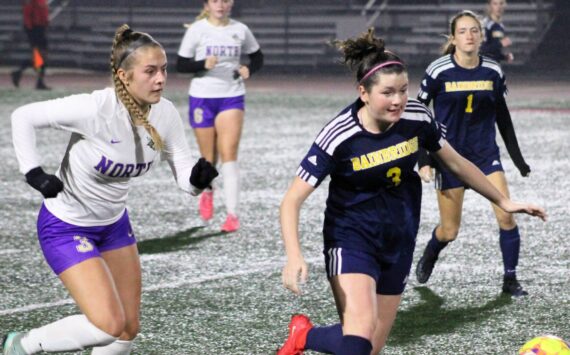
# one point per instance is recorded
(197, 280)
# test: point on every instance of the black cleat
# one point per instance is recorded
(425, 266)
(512, 287)
(42, 86)
(16, 76)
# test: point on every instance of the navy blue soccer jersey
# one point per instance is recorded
(492, 46)
(374, 193)
(465, 101)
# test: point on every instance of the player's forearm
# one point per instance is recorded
(189, 65)
(289, 216)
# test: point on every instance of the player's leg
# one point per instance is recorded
(41, 57)
(229, 125)
(91, 285)
(124, 265)
(450, 203)
(202, 114)
(509, 238)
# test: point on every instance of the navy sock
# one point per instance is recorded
(324, 339)
(510, 242)
(434, 245)
(354, 345)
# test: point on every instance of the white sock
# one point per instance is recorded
(118, 347)
(70, 333)
(230, 173)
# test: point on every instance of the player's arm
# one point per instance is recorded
(474, 178)
(255, 63)
(507, 130)
(425, 96)
(190, 65)
(296, 267)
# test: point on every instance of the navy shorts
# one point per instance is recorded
(65, 245)
(203, 112)
(391, 279)
(444, 180)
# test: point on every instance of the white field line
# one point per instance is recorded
(250, 269)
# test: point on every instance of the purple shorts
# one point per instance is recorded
(391, 279)
(65, 245)
(203, 112)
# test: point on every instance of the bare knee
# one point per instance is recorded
(362, 324)
(447, 233)
(132, 328)
(506, 221)
(111, 323)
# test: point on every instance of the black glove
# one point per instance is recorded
(48, 185)
(202, 174)
(524, 169)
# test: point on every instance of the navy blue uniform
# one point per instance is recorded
(492, 46)
(469, 102)
(374, 197)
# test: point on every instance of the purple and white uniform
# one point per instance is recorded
(104, 152)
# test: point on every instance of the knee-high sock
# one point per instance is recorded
(434, 245)
(324, 339)
(70, 333)
(354, 345)
(230, 173)
(510, 242)
(118, 347)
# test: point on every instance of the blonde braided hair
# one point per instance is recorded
(125, 43)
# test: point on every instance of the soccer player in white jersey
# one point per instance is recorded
(211, 48)
(83, 226)
(372, 211)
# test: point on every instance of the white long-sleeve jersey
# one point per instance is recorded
(104, 152)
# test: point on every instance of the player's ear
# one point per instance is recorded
(363, 94)
(122, 74)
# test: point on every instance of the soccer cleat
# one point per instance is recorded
(299, 327)
(231, 224)
(12, 345)
(207, 205)
(16, 76)
(513, 287)
(42, 86)
(425, 266)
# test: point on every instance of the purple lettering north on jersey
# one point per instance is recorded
(148, 165)
(140, 166)
(103, 165)
(128, 170)
(223, 51)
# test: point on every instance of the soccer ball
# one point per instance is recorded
(545, 345)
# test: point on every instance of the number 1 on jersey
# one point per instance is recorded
(469, 108)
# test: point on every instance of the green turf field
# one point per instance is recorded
(210, 293)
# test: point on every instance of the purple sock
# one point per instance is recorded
(354, 345)
(324, 339)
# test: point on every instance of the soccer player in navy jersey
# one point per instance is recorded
(84, 230)
(495, 34)
(468, 93)
(373, 209)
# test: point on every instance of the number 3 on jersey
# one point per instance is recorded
(394, 174)
(469, 108)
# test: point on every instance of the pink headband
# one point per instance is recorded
(379, 66)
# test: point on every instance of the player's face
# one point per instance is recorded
(467, 37)
(497, 7)
(387, 98)
(148, 75)
(219, 9)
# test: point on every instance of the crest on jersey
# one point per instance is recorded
(150, 143)
(313, 160)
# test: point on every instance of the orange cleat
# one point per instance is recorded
(231, 224)
(299, 327)
(207, 205)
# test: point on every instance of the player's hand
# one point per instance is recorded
(506, 42)
(211, 62)
(244, 72)
(48, 185)
(202, 174)
(524, 170)
(426, 173)
(528, 208)
(294, 272)
(510, 57)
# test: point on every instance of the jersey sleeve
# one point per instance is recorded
(250, 44)
(177, 152)
(428, 89)
(73, 113)
(189, 43)
(434, 135)
(315, 166)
